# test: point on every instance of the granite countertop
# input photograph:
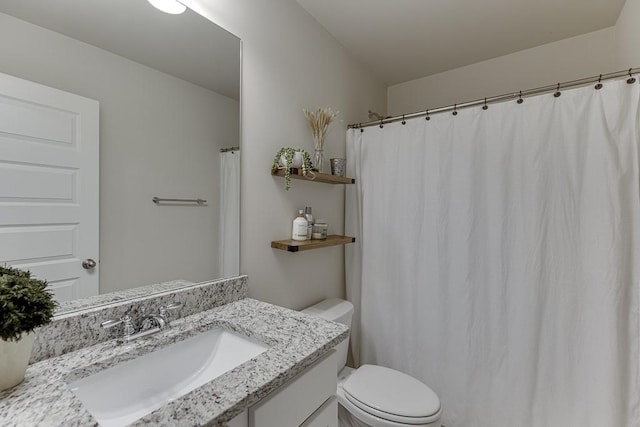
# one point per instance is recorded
(296, 340)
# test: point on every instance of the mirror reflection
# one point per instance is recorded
(104, 106)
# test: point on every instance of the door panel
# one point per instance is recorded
(49, 185)
(36, 183)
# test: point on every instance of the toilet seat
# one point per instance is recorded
(390, 395)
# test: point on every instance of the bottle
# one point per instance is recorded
(309, 217)
(299, 231)
(320, 228)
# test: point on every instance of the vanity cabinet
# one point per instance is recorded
(308, 400)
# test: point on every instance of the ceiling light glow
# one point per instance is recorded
(173, 7)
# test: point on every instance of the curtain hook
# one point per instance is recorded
(361, 128)
(403, 120)
(381, 123)
(631, 79)
(455, 109)
(428, 117)
(520, 100)
(558, 93)
(485, 106)
(599, 85)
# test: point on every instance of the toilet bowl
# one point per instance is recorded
(376, 396)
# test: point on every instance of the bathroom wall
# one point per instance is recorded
(628, 35)
(582, 56)
(290, 62)
(148, 147)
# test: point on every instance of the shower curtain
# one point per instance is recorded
(497, 257)
(230, 213)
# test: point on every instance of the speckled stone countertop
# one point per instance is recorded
(296, 340)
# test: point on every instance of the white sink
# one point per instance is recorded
(130, 390)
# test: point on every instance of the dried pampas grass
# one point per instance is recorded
(319, 121)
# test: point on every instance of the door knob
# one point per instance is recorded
(88, 264)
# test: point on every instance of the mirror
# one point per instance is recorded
(168, 94)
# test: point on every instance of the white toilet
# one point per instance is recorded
(372, 395)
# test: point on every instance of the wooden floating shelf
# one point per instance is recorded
(296, 173)
(305, 245)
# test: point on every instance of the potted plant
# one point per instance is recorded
(25, 304)
(287, 158)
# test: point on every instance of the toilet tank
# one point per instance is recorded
(336, 310)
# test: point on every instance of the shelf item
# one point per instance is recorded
(296, 173)
(305, 245)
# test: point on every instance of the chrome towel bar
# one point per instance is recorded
(158, 200)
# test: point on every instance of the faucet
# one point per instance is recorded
(151, 324)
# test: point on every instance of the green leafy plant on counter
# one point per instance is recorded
(287, 153)
(25, 303)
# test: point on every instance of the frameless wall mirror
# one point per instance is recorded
(104, 106)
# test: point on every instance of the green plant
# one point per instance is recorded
(288, 153)
(25, 303)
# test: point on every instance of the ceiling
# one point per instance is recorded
(187, 46)
(401, 40)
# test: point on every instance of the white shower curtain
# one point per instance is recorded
(497, 257)
(230, 213)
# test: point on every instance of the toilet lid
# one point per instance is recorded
(391, 395)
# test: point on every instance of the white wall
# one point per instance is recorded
(582, 56)
(628, 35)
(290, 62)
(159, 136)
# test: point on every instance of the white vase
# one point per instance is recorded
(295, 163)
(14, 358)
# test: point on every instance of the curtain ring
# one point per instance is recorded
(520, 100)
(428, 117)
(403, 120)
(599, 85)
(631, 79)
(485, 106)
(558, 93)
(381, 123)
(455, 109)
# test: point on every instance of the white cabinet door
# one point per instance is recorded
(49, 163)
(297, 400)
(241, 420)
(325, 416)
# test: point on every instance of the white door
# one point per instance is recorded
(49, 185)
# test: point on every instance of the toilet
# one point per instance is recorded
(375, 396)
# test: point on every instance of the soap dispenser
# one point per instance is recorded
(300, 224)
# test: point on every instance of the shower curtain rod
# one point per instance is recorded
(506, 97)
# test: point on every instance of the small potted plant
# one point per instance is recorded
(287, 158)
(25, 304)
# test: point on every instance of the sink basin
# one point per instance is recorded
(119, 395)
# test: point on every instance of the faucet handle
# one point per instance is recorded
(129, 329)
(164, 310)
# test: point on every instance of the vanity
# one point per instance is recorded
(291, 382)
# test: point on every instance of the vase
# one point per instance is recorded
(318, 160)
(318, 146)
(14, 359)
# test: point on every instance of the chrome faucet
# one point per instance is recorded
(151, 324)
(165, 309)
(127, 321)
